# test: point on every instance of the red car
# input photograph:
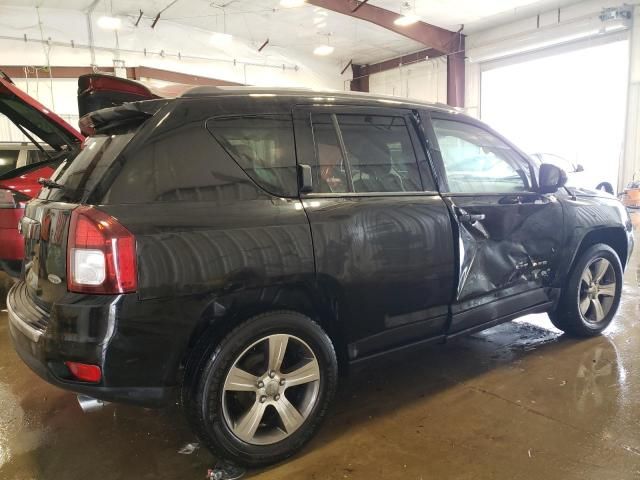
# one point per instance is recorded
(54, 137)
(57, 140)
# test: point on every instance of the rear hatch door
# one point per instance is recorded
(45, 226)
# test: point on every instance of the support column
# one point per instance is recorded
(631, 158)
(455, 76)
(360, 82)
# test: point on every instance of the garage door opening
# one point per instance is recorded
(570, 103)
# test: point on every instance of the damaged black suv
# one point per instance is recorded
(236, 247)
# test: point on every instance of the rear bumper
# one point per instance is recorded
(42, 345)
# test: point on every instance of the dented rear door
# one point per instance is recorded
(508, 235)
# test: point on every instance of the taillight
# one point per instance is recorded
(101, 256)
(11, 198)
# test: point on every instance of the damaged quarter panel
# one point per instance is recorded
(508, 236)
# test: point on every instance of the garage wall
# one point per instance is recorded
(570, 102)
(569, 24)
(543, 35)
(423, 81)
(631, 165)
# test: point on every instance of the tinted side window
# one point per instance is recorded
(182, 163)
(380, 153)
(475, 161)
(263, 146)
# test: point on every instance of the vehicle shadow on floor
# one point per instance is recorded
(479, 362)
(52, 439)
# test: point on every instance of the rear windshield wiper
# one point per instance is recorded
(47, 182)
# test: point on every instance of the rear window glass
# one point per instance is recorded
(81, 174)
(263, 146)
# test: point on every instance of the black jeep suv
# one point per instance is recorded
(237, 246)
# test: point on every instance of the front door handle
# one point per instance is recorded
(511, 200)
(465, 217)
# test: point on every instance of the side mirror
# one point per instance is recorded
(579, 168)
(551, 178)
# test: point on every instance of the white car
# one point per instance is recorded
(577, 175)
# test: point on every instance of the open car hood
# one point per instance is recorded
(30, 115)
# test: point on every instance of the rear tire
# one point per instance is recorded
(591, 295)
(254, 406)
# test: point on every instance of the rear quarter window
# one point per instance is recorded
(180, 162)
(263, 146)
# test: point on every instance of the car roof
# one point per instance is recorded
(311, 94)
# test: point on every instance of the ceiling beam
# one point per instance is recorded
(437, 38)
(408, 59)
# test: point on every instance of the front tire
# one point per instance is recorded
(264, 389)
(591, 295)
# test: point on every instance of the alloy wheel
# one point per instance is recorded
(597, 290)
(271, 389)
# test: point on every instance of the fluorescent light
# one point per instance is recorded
(221, 39)
(406, 20)
(292, 3)
(109, 23)
(323, 50)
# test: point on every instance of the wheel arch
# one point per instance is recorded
(222, 314)
(614, 237)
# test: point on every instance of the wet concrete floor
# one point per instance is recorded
(519, 401)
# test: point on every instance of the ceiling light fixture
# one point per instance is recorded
(292, 3)
(221, 39)
(109, 23)
(406, 20)
(408, 15)
(323, 50)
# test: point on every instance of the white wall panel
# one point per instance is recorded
(425, 81)
(551, 33)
